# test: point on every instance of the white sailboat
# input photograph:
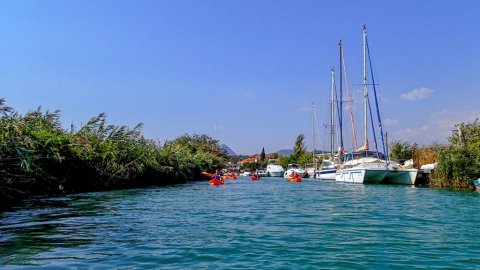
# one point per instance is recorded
(363, 166)
(311, 169)
(328, 167)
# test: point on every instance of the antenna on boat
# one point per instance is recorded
(314, 120)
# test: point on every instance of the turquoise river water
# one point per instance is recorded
(267, 224)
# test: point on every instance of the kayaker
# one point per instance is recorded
(294, 177)
(217, 175)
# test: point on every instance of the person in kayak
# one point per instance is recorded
(294, 177)
(217, 175)
(255, 176)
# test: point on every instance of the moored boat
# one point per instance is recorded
(275, 170)
(291, 168)
(476, 183)
(311, 170)
(261, 173)
(360, 175)
(400, 176)
(364, 166)
(327, 170)
(246, 173)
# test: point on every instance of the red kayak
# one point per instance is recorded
(216, 182)
(295, 179)
(255, 177)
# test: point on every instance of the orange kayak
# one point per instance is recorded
(253, 178)
(216, 182)
(295, 179)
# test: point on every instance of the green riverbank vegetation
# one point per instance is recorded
(39, 157)
(459, 161)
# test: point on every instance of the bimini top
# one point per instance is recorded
(363, 154)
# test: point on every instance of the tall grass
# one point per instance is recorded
(38, 156)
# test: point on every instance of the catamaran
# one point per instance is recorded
(363, 165)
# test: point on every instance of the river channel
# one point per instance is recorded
(266, 224)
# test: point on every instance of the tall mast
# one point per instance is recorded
(365, 90)
(313, 133)
(332, 114)
(376, 104)
(349, 98)
(340, 102)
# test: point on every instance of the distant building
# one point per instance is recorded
(252, 158)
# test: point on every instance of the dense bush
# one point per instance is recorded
(459, 163)
(37, 156)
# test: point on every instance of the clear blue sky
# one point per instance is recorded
(250, 67)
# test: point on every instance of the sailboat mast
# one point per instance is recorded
(349, 98)
(332, 114)
(365, 91)
(340, 102)
(313, 133)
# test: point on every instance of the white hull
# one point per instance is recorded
(311, 172)
(288, 173)
(275, 174)
(245, 174)
(360, 175)
(401, 177)
(275, 170)
(328, 174)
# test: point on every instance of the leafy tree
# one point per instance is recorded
(299, 148)
(459, 163)
(262, 155)
(274, 156)
(305, 158)
(401, 150)
(466, 133)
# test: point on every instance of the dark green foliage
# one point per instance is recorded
(459, 163)
(274, 155)
(401, 150)
(262, 154)
(255, 165)
(191, 155)
(38, 157)
(299, 149)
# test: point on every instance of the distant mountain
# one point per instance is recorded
(229, 150)
(285, 152)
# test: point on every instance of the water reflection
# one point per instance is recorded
(43, 224)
